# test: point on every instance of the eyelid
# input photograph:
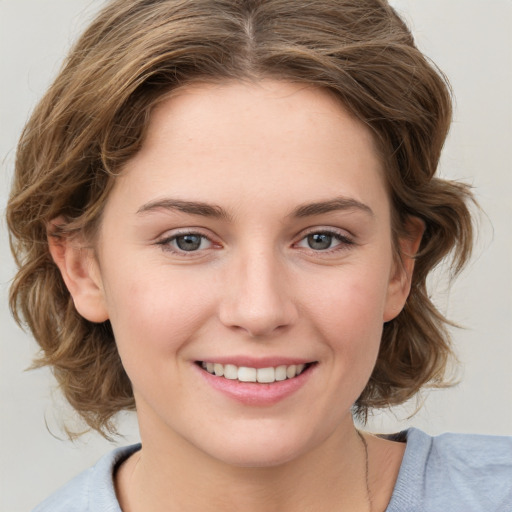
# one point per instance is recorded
(346, 239)
(165, 240)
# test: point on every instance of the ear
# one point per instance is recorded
(80, 272)
(401, 277)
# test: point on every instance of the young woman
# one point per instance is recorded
(224, 214)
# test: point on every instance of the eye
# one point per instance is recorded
(324, 240)
(186, 242)
(190, 242)
(320, 241)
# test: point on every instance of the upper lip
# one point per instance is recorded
(260, 362)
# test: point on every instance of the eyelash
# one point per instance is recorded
(345, 242)
(166, 242)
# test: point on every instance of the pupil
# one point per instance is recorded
(188, 242)
(319, 241)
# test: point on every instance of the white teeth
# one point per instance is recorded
(291, 371)
(281, 373)
(266, 375)
(230, 371)
(218, 369)
(248, 374)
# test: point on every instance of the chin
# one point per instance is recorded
(244, 458)
(263, 449)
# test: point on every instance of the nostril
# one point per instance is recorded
(258, 321)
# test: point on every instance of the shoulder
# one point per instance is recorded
(479, 452)
(91, 490)
(456, 472)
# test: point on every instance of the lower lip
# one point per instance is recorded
(255, 394)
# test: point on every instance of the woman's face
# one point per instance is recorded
(250, 236)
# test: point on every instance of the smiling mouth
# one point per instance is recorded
(257, 375)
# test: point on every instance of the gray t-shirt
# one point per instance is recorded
(446, 473)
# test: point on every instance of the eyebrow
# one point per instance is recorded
(215, 211)
(191, 207)
(338, 203)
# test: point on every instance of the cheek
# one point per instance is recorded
(349, 318)
(152, 313)
(353, 298)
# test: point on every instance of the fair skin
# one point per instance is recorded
(252, 229)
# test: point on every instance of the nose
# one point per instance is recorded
(258, 298)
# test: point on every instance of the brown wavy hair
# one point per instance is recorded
(94, 117)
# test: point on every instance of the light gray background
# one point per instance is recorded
(471, 41)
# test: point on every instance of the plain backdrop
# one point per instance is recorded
(471, 41)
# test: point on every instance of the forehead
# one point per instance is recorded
(256, 140)
(269, 111)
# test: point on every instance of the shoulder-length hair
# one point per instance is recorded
(94, 117)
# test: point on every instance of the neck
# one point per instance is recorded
(173, 475)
